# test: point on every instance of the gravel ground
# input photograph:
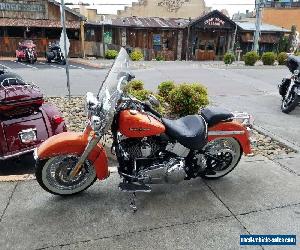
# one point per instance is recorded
(75, 116)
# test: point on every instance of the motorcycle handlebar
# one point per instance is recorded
(148, 108)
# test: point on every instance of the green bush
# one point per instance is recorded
(229, 58)
(187, 99)
(141, 95)
(165, 88)
(136, 85)
(282, 58)
(251, 58)
(111, 54)
(268, 58)
(159, 58)
(136, 55)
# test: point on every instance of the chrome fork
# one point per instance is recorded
(88, 149)
(289, 89)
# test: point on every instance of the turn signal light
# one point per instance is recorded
(57, 119)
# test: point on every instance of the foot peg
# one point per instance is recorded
(134, 188)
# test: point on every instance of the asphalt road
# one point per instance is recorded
(245, 89)
(261, 196)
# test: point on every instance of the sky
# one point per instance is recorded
(233, 6)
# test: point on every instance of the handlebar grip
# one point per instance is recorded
(148, 108)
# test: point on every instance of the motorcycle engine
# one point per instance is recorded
(154, 168)
(137, 148)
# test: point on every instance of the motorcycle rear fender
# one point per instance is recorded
(74, 144)
(233, 130)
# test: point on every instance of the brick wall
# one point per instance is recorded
(282, 17)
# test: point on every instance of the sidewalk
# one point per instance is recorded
(259, 197)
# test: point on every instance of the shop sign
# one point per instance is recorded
(22, 7)
(156, 40)
(108, 37)
(214, 21)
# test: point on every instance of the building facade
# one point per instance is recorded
(284, 13)
(40, 21)
(165, 9)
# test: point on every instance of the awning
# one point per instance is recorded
(9, 22)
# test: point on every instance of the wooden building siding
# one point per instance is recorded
(10, 44)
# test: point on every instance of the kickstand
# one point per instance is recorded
(132, 203)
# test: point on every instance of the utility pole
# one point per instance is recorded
(63, 17)
(187, 56)
(258, 7)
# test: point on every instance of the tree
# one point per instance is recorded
(293, 39)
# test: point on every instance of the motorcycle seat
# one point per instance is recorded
(190, 131)
(214, 115)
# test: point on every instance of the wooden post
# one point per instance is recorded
(82, 39)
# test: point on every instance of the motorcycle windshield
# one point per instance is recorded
(113, 85)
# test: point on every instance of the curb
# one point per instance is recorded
(87, 63)
(281, 141)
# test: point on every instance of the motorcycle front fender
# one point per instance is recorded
(71, 143)
(297, 90)
(233, 130)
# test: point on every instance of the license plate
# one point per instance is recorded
(28, 136)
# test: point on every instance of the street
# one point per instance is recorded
(238, 89)
(262, 196)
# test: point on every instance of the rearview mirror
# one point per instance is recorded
(154, 101)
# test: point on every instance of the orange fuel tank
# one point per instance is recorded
(134, 124)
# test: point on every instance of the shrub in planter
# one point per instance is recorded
(159, 58)
(111, 54)
(268, 58)
(141, 95)
(282, 58)
(187, 99)
(136, 55)
(135, 85)
(229, 58)
(165, 88)
(251, 58)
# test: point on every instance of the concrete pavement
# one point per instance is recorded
(259, 197)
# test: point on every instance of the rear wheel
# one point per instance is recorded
(53, 175)
(223, 155)
(290, 103)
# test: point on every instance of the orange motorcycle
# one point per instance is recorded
(150, 149)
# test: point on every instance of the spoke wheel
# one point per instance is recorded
(54, 175)
(290, 103)
(223, 155)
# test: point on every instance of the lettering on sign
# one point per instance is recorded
(22, 7)
(214, 21)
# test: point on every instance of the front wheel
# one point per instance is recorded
(63, 61)
(223, 155)
(290, 103)
(53, 175)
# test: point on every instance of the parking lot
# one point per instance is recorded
(262, 196)
(40, 65)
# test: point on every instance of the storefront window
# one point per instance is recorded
(157, 42)
(74, 34)
(15, 31)
(90, 35)
(210, 45)
(53, 33)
